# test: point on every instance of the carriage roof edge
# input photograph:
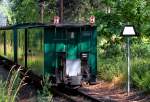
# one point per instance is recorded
(44, 25)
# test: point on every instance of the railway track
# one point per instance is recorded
(75, 95)
(70, 96)
(100, 99)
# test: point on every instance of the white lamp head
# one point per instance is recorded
(129, 30)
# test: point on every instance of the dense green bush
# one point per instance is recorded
(111, 67)
(140, 50)
(141, 74)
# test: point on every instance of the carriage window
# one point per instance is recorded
(72, 35)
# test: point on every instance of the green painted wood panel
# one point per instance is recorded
(93, 54)
(72, 43)
(60, 40)
(72, 51)
(49, 51)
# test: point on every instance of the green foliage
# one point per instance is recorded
(25, 10)
(45, 95)
(113, 50)
(30, 11)
(141, 50)
(109, 48)
(113, 62)
(110, 68)
(141, 74)
(114, 15)
(6, 10)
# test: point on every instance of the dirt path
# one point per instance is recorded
(108, 91)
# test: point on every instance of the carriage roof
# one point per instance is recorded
(42, 25)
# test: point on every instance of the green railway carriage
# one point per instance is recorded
(67, 52)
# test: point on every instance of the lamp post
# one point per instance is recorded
(128, 31)
(128, 64)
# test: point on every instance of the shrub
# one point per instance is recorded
(140, 50)
(45, 95)
(141, 74)
(110, 68)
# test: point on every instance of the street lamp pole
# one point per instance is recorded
(128, 46)
(128, 32)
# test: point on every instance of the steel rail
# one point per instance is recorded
(59, 93)
(79, 95)
(100, 99)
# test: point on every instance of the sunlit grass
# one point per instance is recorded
(45, 94)
(1, 49)
(9, 89)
